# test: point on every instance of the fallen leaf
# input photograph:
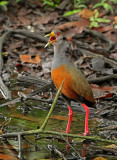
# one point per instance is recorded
(108, 95)
(99, 158)
(6, 157)
(103, 28)
(86, 13)
(24, 20)
(1, 132)
(104, 88)
(73, 31)
(62, 118)
(81, 23)
(115, 19)
(112, 34)
(32, 51)
(46, 18)
(27, 58)
(103, 92)
(20, 116)
(24, 11)
(98, 63)
(15, 45)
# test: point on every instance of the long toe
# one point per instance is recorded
(86, 133)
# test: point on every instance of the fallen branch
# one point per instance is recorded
(112, 63)
(27, 33)
(101, 79)
(40, 89)
(102, 37)
(38, 131)
(37, 81)
(3, 88)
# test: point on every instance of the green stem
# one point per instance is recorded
(51, 109)
(38, 131)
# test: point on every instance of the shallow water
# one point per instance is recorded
(39, 149)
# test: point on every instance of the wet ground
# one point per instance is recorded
(29, 115)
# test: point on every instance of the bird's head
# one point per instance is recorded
(56, 37)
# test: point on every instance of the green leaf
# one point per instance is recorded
(69, 13)
(108, 7)
(98, 5)
(96, 14)
(94, 24)
(81, 6)
(103, 20)
(92, 19)
(115, 1)
(115, 26)
(3, 3)
(17, 1)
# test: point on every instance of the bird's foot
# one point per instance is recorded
(86, 133)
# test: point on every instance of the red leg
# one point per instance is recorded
(69, 120)
(86, 119)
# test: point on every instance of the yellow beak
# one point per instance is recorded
(49, 42)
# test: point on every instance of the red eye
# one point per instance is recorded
(57, 33)
(52, 38)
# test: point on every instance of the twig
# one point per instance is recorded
(112, 127)
(52, 107)
(27, 33)
(38, 131)
(37, 81)
(2, 39)
(53, 148)
(3, 88)
(32, 80)
(40, 89)
(72, 147)
(63, 4)
(20, 146)
(104, 149)
(101, 36)
(112, 63)
(101, 79)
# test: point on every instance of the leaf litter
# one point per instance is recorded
(73, 27)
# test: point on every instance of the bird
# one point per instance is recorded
(76, 87)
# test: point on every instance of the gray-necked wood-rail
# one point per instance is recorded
(75, 85)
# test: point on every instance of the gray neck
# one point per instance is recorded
(59, 56)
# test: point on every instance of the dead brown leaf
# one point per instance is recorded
(103, 28)
(27, 58)
(24, 12)
(99, 158)
(18, 115)
(24, 20)
(15, 45)
(104, 88)
(62, 118)
(86, 13)
(103, 92)
(106, 95)
(73, 31)
(115, 19)
(5, 157)
(46, 18)
(81, 23)
(112, 34)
